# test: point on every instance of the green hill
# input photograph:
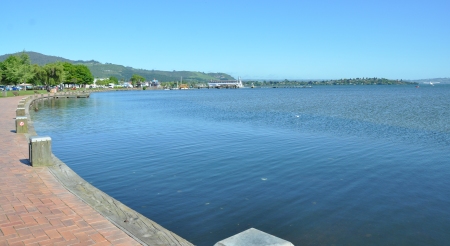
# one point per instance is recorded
(100, 70)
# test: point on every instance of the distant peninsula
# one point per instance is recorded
(306, 83)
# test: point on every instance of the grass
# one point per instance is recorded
(31, 92)
(21, 93)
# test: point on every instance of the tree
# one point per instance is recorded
(1, 72)
(114, 80)
(77, 74)
(17, 69)
(55, 73)
(39, 75)
(84, 75)
(136, 79)
(70, 73)
(102, 81)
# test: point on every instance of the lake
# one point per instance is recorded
(328, 165)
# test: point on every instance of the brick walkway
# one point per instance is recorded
(35, 209)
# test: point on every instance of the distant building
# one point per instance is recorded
(226, 83)
(127, 84)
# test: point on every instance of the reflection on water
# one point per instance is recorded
(346, 165)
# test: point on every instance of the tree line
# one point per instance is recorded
(17, 69)
(351, 81)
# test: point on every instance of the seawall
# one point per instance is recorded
(136, 225)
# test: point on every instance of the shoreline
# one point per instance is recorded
(136, 225)
(34, 207)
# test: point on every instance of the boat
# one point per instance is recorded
(431, 83)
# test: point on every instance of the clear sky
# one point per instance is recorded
(280, 39)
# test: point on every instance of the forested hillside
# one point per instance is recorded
(100, 70)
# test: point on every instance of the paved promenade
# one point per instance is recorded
(35, 209)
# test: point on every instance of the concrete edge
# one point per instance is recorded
(136, 225)
(253, 237)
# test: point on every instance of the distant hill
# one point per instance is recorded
(40, 59)
(100, 70)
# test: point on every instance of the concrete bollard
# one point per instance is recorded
(253, 237)
(40, 151)
(21, 124)
(20, 111)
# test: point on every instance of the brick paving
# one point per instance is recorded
(35, 209)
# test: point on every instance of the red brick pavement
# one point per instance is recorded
(35, 209)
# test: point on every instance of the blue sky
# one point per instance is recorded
(280, 39)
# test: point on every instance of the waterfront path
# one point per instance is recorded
(35, 208)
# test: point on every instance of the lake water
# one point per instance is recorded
(330, 165)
